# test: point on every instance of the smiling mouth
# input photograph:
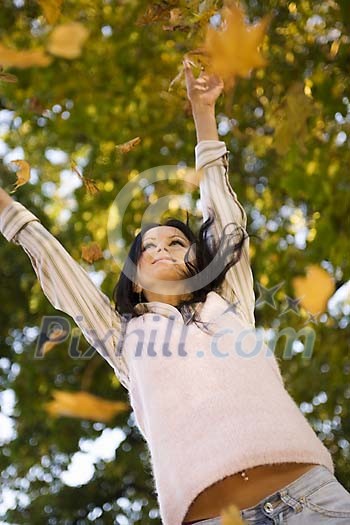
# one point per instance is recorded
(164, 259)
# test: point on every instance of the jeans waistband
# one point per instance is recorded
(290, 494)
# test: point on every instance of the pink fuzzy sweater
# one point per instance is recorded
(208, 396)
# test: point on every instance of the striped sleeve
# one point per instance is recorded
(67, 285)
(218, 196)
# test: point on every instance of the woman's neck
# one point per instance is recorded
(173, 300)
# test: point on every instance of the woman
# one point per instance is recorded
(207, 395)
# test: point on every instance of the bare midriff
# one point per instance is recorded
(262, 481)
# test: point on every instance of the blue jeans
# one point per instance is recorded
(315, 498)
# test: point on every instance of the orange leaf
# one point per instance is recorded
(23, 59)
(55, 338)
(233, 50)
(23, 174)
(91, 252)
(314, 289)
(128, 146)
(67, 40)
(85, 406)
(51, 9)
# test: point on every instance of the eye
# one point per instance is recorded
(177, 241)
(147, 245)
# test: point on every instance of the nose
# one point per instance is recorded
(161, 247)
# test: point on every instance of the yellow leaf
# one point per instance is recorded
(55, 338)
(67, 40)
(334, 48)
(51, 9)
(233, 50)
(7, 77)
(92, 252)
(128, 146)
(23, 174)
(85, 406)
(314, 289)
(231, 516)
(23, 59)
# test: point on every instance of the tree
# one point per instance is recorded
(287, 129)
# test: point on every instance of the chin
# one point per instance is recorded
(155, 282)
(166, 271)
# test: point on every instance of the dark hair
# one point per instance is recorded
(226, 251)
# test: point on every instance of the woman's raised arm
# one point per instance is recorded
(217, 195)
(5, 199)
(65, 283)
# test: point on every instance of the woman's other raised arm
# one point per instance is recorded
(217, 195)
(65, 283)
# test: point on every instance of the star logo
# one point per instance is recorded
(292, 305)
(266, 295)
(233, 307)
(312, 318)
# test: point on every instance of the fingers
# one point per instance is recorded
(206, 76)
(210, 77)
(204, 82)
(188, 70)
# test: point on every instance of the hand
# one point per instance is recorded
(204, 90)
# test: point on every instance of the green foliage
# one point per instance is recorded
(289, 143)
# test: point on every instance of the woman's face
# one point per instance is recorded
(162, 258)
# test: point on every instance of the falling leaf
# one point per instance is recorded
(23, 174)
(67, 40)
(290, 119)
(231, 516)
(164, 11)
(89, 184)
(23, 59)
(176, 21)
(51, 9)
(154, 13)
(334, 48)
(92, 252)
(314, 289)
(7, 77)
(85, 406)
(128, 146)
(55, 338)
(36, 106)
(233, 49)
